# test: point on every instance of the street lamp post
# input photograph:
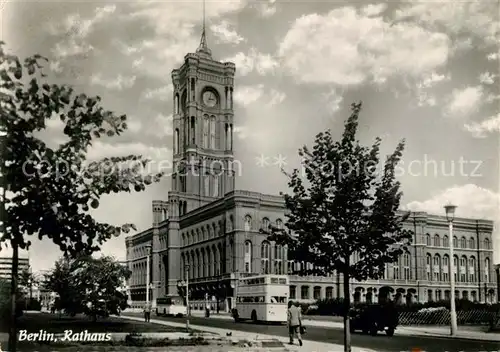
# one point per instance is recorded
(188, 310)
(450, 216)
(148, 279)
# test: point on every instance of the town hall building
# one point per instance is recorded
(209, 233)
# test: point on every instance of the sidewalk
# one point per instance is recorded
(310, 346)
(465, 332)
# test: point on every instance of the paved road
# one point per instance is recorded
(331, 335)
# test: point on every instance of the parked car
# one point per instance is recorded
(374, 318)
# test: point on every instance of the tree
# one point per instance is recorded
(344, 216)
(27, 280)
(52, 190)
(90, 285)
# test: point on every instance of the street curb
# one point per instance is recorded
(401, 330)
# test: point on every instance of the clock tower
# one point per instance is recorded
(203, 163)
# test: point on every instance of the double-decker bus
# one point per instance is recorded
(262, 298)
(168, 306)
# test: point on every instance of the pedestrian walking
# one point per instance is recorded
(294, 322)
(147, 312)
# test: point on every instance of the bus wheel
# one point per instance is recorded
(254, 316)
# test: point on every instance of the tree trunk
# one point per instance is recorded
(13, 297)
(347, 307)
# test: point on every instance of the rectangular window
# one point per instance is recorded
(304, 292)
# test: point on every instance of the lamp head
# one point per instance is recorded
(450, 211)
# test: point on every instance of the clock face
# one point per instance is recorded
(209, 99)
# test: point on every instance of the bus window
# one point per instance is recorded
(282, 281)
(261, 299)
(274, 280)
(261, 280)
(278, 299)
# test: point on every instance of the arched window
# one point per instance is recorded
(248, 223)
(428, 239)
(455, 268)
(437, 241)
(216, 185)
(487, 270)
(206, 185)
(444, 272)
(278, 260)
(455, 242)
(264, 257)
(472, 244)
(406, 267)
(176, 141)
(265, 224)
(248, 257)
(463, 268)
(463, 243)
(232, 262)
(206, 127)
(486, 243)
(428, 263)
(279, 224)
(472, 269)
(176, 103)
(212, 132)
(192, 131)
(445, 241)
(437, 268)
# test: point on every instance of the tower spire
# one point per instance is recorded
(203, 47)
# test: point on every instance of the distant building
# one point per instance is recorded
(6, 266)
(209, 232)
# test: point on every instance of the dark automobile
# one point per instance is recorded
(374, 318)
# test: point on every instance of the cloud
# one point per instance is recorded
(472, 201)
(118, 83)
(161, 126)
(75, 31)
(262, 64)
(432, 79)
(75, 25)
(362, 48)
(71, 47)
(493, 56)
(266, 9)
(373, 10)
(240, 132)
(277, 97)
(158, 155)
(487, 78)
(464, 102)
(478, 19)
(224, 34)
(246, 95)
(481, 129)
(133, 125)
(162, 93)
(333, 100)
(423, 88)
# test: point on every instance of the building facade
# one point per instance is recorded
(208, 232)
(6, 266)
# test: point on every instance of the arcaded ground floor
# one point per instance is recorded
(220, 292)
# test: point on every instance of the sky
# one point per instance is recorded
(427, 72)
